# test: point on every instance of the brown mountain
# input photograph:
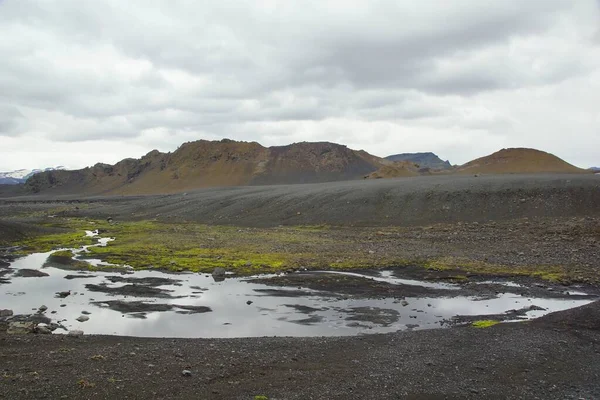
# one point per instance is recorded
(397, 169)
(518, 161)
(204, 163)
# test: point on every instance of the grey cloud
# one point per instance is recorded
(12, 120)
(117, 70)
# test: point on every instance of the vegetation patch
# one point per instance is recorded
(551, 273)
(486, 323)
(195, 247)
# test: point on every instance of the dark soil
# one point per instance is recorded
(131, 290)
(143, 307)
(30, 273)
(383, 202)
(361, 287)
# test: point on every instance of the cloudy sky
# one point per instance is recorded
(89, 81)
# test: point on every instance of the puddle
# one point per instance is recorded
(159, 304)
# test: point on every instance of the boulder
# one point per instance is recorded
(20, 328)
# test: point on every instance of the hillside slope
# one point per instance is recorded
(398, 169)
(518, 161)
(204, 163)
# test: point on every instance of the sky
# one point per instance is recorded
(83, 82)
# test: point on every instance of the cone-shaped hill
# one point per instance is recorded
(518, 161)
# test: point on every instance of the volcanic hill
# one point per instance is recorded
(518, 161)
(424, 160)
(204, 163)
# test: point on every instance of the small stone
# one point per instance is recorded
(86, 312)
(186, 372)
(404, 303)
(63, 305)
(219, 271)
(249, 302)
(82, 318)
(42, 329)
(75, 333)
(42, 308)
(371, 252)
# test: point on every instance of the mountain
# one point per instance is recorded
(424, 160)
(21, 175)
(516, 161)
(398, 169)
(204, 163)
(594, 169)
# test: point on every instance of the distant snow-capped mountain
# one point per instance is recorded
(21, 175)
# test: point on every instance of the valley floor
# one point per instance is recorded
(540, 232)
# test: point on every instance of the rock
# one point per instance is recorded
(109, 220)
(219, 271)
(6, 313)
(86, 312)
(43, 330)
(75, 333)
(20, 328)
(62, 295)
(82, 318)
(42, 308)
(371, 252)
(30, 273)
(404, 303)
(186, 372)
(249, 302)
(63, 305)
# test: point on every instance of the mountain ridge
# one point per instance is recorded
(205, 163)
(424, 160)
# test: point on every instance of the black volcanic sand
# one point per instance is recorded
(384, 202)
(555, 357)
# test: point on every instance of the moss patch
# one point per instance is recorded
(486, 323)
(550, 273)
(201, 248)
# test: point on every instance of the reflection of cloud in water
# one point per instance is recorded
(311, 314)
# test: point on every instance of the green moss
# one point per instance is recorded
(261, 398)
(44, 243)
(201, 248)
(550, 273)
(484, 323)
(63, 253)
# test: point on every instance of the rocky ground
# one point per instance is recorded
(545, 230)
